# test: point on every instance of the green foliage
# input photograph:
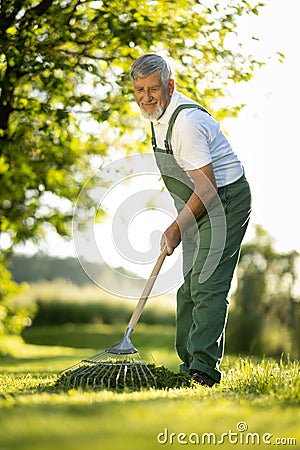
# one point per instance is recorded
(107, 312)
(265, 315)
(13, 316)
(61, 302)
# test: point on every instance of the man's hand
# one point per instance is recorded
(171, 238)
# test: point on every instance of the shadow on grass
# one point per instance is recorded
(12, 361)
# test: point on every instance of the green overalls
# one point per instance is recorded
(210, 253)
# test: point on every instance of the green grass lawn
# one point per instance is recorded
(256, 405)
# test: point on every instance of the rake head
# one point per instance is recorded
(119, 367)
(109, 371)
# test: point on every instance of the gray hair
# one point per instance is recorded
(147, 64)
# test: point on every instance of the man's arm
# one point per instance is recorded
(205, 188)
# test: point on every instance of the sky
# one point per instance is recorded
(264, 135)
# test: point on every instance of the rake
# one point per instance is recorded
(120, 366)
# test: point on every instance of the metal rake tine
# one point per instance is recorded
(119, 375)
(107, 369)
(131, 377)
(79, 374)
(110, 376)
(137, 375)
(104, 370)
(141, 383)
(90, 376)
(98, 377)
(151, 375)
(124, 375)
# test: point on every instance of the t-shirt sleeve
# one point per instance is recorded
(191, 135)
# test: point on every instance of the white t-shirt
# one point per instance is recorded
(197, 140)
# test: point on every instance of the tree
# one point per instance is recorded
(64, 65)
(264, 315)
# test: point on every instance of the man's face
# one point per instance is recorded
(152, 95)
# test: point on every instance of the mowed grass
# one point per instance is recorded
(256, 405)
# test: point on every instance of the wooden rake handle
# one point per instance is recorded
(147, 289)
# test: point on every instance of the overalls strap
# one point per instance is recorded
(153, 140)
(172, 120)
(178, 183)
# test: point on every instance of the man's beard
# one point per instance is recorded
(154, 115)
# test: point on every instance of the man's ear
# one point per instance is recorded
(172, 86)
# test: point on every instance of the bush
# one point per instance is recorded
(62, 302)
(14, 317)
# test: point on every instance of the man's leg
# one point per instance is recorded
(206, 337)
(185, 305)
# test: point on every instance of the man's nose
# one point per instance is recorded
(148, 95)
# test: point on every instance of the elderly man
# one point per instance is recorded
(213, 200)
